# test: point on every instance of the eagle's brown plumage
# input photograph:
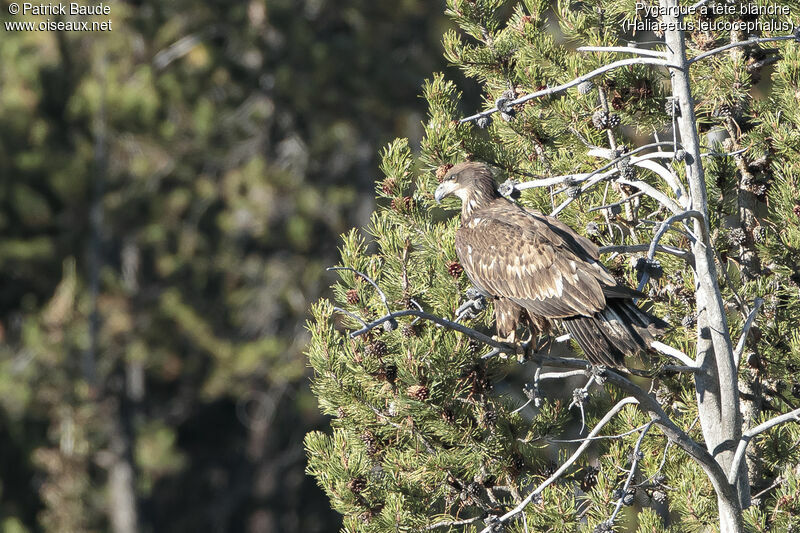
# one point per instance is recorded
(538, 270)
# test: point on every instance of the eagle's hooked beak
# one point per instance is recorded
(445, 189)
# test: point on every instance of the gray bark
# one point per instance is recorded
(716, 383)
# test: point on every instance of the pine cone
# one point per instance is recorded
(388, 185)
(589, 480)
(600, 120)
(737, 236)
(441, 172)
(660, 496)
(474, 346)
(405, 301)
(357, 485)
(759, 189)
(409, 330)
(796, 211)
(664, 396)
(370, 442)
(490, 417)
(629, 497)
(585, 87)
(614, 120)
(617, 102)
(391, 373)
(627, 172)
(484, 122)
(367, 516)
(724, 110)
(340, 413)
(352, 297)
(403, 205)
(377, 349)
(449, 415)
(418, 392)
(455, 269)
(603, 527)
(518, 463)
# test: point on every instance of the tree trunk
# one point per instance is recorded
(122, 511)
(717, 382)
(730, 516)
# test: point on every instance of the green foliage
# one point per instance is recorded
(419, 437)
(239, 138)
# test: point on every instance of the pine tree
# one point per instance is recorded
(684, 168)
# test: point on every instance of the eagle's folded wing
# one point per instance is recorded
(530, 264)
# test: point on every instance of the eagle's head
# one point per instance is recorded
(472, 182)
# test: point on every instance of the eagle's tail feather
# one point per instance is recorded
(619, 330)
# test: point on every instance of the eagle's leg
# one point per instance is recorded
(510, 338)
(510, 317)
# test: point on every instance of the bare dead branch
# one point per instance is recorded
(601, 437)
(572, 83)
(469, 332)
(615, 204)
(351, 315)
(637, 248)
(674, 352)
(622, 49)
(653, 193)
(561, 375)
(579, 397)
(737, 353)
(634, 464)
(747, 436)
(755, 40)
(651, 252)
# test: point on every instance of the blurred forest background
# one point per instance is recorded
(170, 194)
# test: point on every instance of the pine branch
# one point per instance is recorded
(651, 252)
(637, 456)
(367, 278)
(702, 456)
(792, 416)
(514, 513)
(637, 248)
(453, 523)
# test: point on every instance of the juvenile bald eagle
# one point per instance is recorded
(539, 271)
